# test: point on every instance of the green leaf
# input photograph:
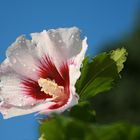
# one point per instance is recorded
(63, 128)
(66, 128)
(84, 112)
(54, 128)
(100, 74)
(119, 56)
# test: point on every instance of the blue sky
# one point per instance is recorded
(99, 20)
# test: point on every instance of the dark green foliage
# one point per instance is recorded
(66, 128)
(123, 102)
(84, 112)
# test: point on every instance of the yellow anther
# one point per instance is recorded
(50, 87)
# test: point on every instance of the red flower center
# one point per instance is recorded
(47, 70)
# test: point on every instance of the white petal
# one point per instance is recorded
(75, 66)
(67, 40)
(60, 44)
(11, 91)
(22, 57)
(14, 111)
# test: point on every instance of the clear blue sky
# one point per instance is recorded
(100, 21)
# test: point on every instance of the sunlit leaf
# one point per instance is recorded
(119, 56)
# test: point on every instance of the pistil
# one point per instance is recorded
(51, 88)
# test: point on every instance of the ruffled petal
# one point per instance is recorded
(60, 44)
(75, 64)
(11, 91)
(9, 111)
(22, 56)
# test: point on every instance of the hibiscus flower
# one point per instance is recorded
(39, 75)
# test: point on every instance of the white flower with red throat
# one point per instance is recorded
(39, 75)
